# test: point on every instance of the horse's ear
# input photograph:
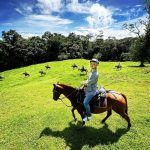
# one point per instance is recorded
(54, 85)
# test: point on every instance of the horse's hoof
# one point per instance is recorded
(102, 122)
(74, 120)
(129, 126)
(83, 123)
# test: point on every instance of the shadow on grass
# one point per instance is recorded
(76, 137)
(138, 66)
(83, 74)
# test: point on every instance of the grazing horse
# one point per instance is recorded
(42, 72)
(74, 66)
(47, 67)
(115, 101)
(118, 67)
(83, 70)
(26, 74)
(1, 77)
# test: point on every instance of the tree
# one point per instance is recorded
(147, 35)
(10, 37)
(140, 50)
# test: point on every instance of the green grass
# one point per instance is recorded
(31, 119)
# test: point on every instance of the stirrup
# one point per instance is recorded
(86, 118)
(89, 118)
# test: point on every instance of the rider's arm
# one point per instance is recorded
(93, 79)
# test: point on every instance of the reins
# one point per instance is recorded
(66, 97)
(65, 103)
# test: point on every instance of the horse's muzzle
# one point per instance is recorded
(54, 98)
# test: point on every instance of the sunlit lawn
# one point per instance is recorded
(31, 119)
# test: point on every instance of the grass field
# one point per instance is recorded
(31, 119)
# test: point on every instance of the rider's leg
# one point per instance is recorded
(87, 106)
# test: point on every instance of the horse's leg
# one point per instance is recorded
(81, 112)
(73, 114)
(82, 116)
(109, 112)
(126, 117)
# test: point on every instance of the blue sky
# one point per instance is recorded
(34, 17)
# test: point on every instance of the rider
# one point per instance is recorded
(91, 86)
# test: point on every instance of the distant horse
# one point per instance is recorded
(1, 77)
(83, 70)
(42, 72)
(26, 74)
(118, 67)
(115, 101)
(47, 67)
(74, 66)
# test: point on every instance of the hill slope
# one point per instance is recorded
(28, 110)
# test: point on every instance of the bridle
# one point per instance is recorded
(65, 97)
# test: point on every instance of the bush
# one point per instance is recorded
(97, 56)
(62, 57)
(125, 57)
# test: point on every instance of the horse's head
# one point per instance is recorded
(56, 92)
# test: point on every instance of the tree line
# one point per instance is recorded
(16, 51)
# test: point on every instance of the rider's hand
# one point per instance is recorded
(84, 83)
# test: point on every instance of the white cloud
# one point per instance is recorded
(49, 6)
(25, 9)
(107, 32)
(19, 10)
(115, 30)
(134, 12)
(7, 24)
(138, 5)
(120, 24)
(28, 8)
(118, 33)
(99, 16)
(130, 12)
(76, 7)
(48, 19)
(27, 35)
(43, 6)
(44, 21)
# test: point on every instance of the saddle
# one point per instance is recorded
(99, 100)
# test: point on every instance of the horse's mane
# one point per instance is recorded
(67, 86)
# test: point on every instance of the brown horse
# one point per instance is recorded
(115, 101)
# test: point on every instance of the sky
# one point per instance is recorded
(34, 17)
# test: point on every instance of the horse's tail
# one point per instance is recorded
(126, 110)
